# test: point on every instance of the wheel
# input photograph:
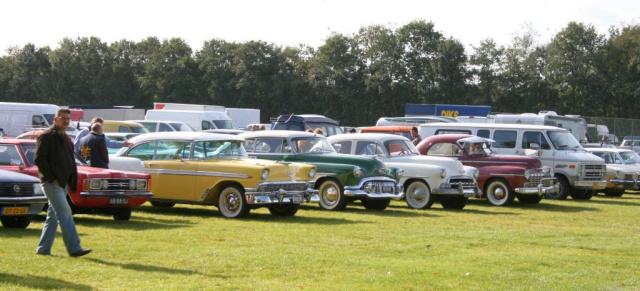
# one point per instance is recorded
(122, 214)
(457, 202)
(563, 191)
(375, 204)
(284, 209)
(582, 194)
(613, 193)
(16, 221)
(418, 195)
(162, 204)
(529, 199)
(499, 192)
(331, 196)
(232, 203)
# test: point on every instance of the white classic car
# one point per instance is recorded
(425, 178)
(623, 169)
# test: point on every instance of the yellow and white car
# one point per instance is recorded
(214, 169)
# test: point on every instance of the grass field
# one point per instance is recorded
(556, 245)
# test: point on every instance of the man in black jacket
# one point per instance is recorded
(93, 148)
(58, 172)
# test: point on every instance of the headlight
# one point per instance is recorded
(357, 172)
(141, 184)
(312, 173)
(399, 172)
(95, 184)
(476, 174)
(132, 184)
(265, 174)
(105, 184)
(443, 173)
(37, 189)
(527, 174)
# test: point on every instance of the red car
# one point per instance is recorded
(99, 191)
(502, 177)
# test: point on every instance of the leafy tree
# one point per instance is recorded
(451, 75)
(487, 66)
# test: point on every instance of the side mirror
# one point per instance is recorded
(337, 147)
(534, 146)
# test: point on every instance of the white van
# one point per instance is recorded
(198, 120)
(577, 171)
(18, 118)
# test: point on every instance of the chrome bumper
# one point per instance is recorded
(264, 195)
(116, 194)
(465, 189)
(624, 184)
(595, 185)
(23, 200)
(541, 189)
(367, 188)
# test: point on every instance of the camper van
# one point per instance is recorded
(578, 171)
(575, 124)
(18, 118)
(198, 120)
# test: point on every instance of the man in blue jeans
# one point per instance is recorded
(58, 172)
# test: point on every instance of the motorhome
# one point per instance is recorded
(198, 120)
(578, 172)
(18, 118)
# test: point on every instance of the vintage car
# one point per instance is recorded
(401, 130)
(623, 168)
(119, 136)
(425, 179)
(214, 169)
(502, 177)
(340, 179)
(21, 197)
(99, 191)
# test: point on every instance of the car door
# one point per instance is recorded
(505, 142)
(546, 153)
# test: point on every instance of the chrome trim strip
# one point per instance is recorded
(20, 200)
(116, 194)
(195, 173)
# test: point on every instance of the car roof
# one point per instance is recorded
(306, 118)
(463, 125)
(16, 141)
(128, 123)
(609, 150)
(182, 135)
(278, 133)
(367, 136)
(399, 128)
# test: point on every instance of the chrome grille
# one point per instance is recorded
(381, 187)
(466, 183)
(293, 186)
(24, 189)
(592, 172)
(119, 184)
(628, 177)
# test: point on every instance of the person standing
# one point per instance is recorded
(110, 143)
(416, 137)
(93, 148)
(57, 170)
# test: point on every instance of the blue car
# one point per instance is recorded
(21, 197)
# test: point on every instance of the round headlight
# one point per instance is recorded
(312, 173)
(443, 173)
(357, 172)
(476, 174)
(265, 174)
(132, 185)
(141, 184)
(527, 174)
(105, 184)
(399, 172)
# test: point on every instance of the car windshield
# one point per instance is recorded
(49, 118)
(219, 149)
(137, 129)
(9, 155)
(182, 127)
(224, 124)
(630, 158)
(400, 148)
(563, 140)
(476, 148)
(312, 145)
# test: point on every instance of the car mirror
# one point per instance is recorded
(534, 146)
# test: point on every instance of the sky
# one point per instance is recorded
(290, 23)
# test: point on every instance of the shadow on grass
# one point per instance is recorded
(542, 206)
(19, 232)
(136, 223)
(38, 282)
(391, 210)
(153, 269)
(624, 201)
(299, 218)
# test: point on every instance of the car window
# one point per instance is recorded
(170, 150)
(504, 139)
(268, 145)
(449, 131)
(9, 156)
(182, 127)
(164, 127)
(123, 129)
(483, 133)
(143, 151)
(343, 147)
(444, 150)
(289, 126)
(530, 137)
(116, 137)
(616, 160)
(207, 125)
(369, 148)
(149, 125)
(400, 148)
(29, 151)
(219, 149)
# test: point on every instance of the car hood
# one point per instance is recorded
(450, 164)
(102, 173)
(509, 160)
(7, 176)
(370, 166)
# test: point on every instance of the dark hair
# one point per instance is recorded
(414, 129)
(95, 127)
(97, 119)
(63, 110)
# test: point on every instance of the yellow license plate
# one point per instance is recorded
(15, 210)
(595, 185)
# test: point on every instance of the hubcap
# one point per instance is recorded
(498, 193)
(232, 202)
(331, 194)
(419, 194)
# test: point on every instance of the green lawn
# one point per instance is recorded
(556, 245)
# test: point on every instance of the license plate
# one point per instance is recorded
(297, 199)
(118, 201)
(595, 185)
(15, 210)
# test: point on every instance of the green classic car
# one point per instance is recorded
(340, 178)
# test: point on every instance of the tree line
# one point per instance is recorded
(352, 78)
